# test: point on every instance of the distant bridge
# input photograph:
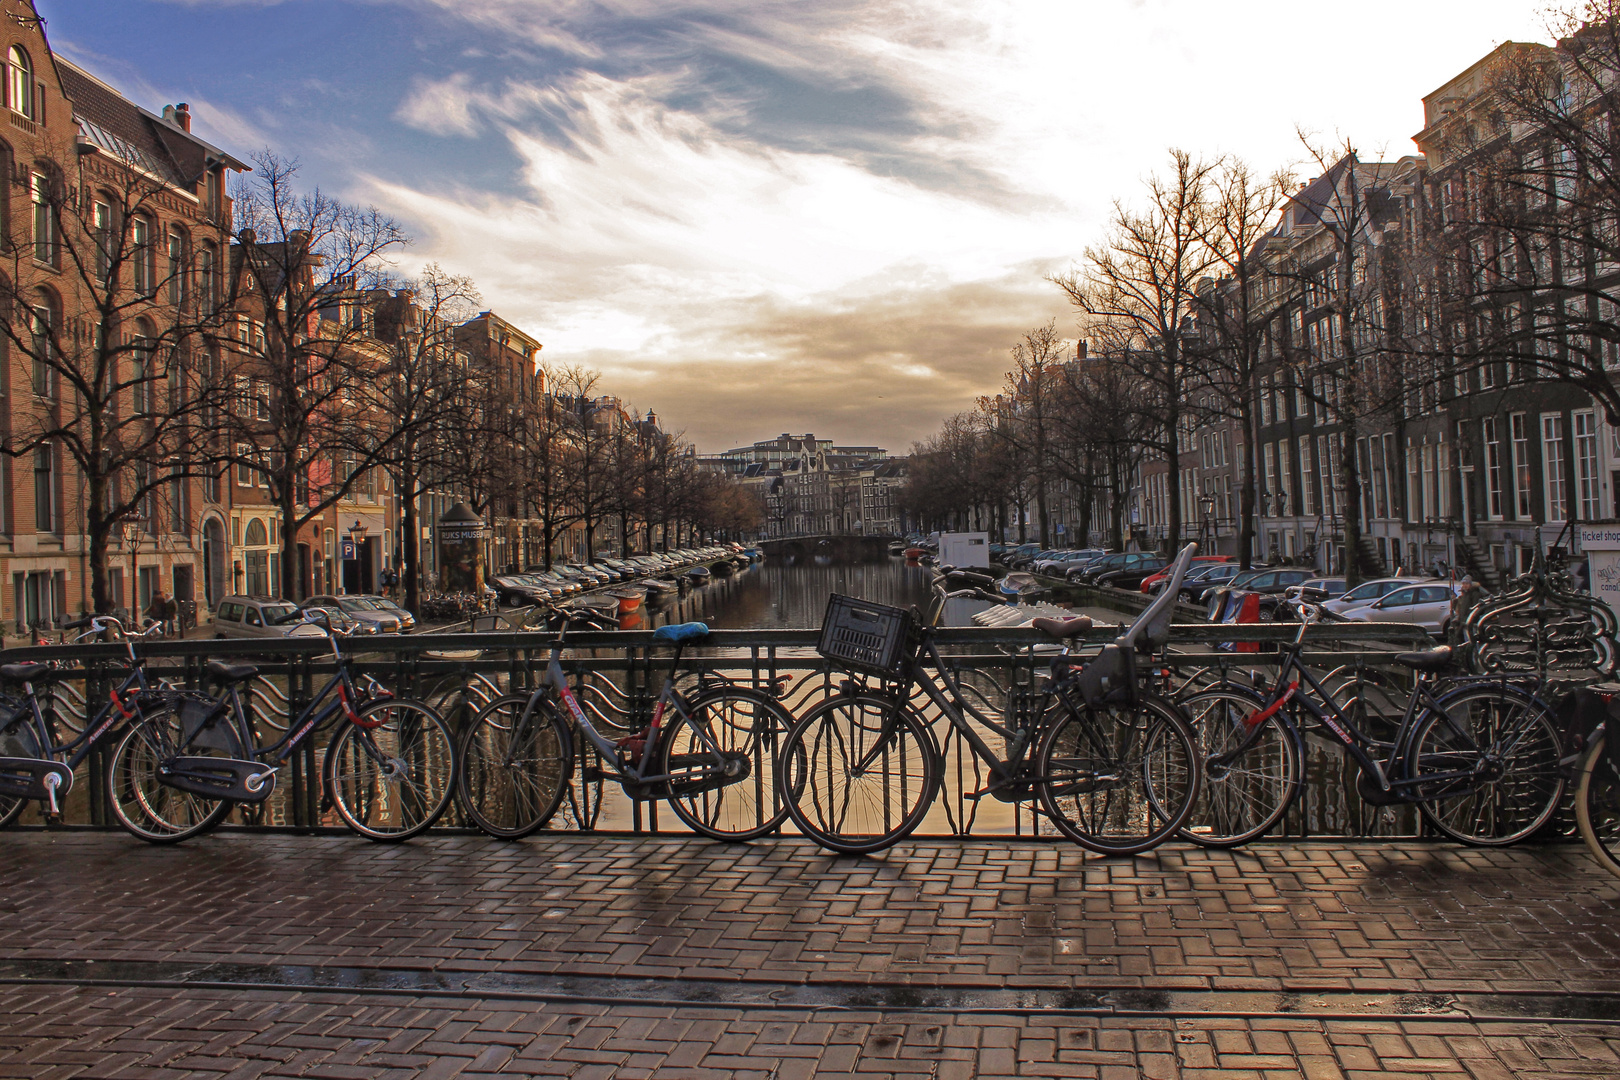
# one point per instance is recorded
(841, 548)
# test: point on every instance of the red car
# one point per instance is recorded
(1147, 584)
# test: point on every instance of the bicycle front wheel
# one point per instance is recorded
(721, 758)
(513, 769)
(146, 807)
(1484, 765)
(869, 773)
(1597, 804)
(1122, 779)
(1250, 777)
(391, 774)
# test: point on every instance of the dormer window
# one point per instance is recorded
(20, 83)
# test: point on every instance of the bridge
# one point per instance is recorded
(841, 548)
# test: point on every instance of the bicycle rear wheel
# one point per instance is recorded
(1119, 780)
(392, 774)
(145, 806)
(869, 773)
(20, 739)
(1597, 804)
(512, 771)
(1243, 798)
(1485, 765)
(745, 728)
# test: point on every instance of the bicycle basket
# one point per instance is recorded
(873, 639)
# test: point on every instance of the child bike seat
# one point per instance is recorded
(680, 633)
(1111, 675)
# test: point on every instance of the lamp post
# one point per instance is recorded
(357, 536)
(132, 540)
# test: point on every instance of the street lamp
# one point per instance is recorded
(132, 540)
(357, 536)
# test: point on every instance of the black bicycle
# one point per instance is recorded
(1478, 757)
(710, 752)
(388, 773)
(1113, 766)
(34, 765)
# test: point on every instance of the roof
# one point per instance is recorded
(124, 130)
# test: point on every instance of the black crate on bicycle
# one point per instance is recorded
(873, 639)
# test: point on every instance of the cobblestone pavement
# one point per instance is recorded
(1316, 960)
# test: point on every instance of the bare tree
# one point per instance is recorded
(1024, 413)
(115, 338)
(1142, 280)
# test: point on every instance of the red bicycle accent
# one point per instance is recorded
(1260, 716)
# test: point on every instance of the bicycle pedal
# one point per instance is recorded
(592, 774)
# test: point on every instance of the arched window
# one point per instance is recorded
(207, 288)
(175, 268)
(256, 542)
(144, 252)
(141, 373)
(44, 322)
(20, 82)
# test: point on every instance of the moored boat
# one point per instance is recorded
(724, 567)
(657, 587)
(915, 552)
(698, 575)
(1020, 587)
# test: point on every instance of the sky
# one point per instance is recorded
(766, 216)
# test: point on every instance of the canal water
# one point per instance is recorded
(777, 595)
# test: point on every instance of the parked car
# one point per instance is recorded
(1060, 564)
(1313, 591)
(407, 621)
(361, 608)
(342, 623)
(1366, 593)
(1198, 561)
(1197, 577)
(257, 617)
(1125, 560)
(1022, 551)
(1130, 576)
(1199, 592)
(1427, 604)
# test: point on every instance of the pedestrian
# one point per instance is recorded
(159, 610)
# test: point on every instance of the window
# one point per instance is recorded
(44, 488)
(1271, 475)
(207, 289)
(1307, 497)
(244, 471)
(105, 240)
(141, 242)
(175, 271)
(42, 325)
(140, 365)
(1285, 480)
(1586, 464)
(45, 245)
(1493, 469)
(1553, 478)
(1521, 465)
(20, 83)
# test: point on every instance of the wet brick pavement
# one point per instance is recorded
(1288, 932)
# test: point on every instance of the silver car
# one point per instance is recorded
(258, 617)
(359, 607)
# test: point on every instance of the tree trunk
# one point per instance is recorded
(291, 587)
(1246, 500)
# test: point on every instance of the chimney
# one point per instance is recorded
(182, 116)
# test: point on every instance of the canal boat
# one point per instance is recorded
(723, 567)
(660, 588)
(698, 575)
(915, 552)
(1020, 587)
(596, 601)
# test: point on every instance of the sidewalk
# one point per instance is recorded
(275, 955)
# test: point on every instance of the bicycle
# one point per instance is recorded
(712, 754)
(35, 766)
(1479, 757)
(1113, 766)
(388, 771)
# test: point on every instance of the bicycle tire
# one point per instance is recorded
(739, 721)
(391, 776)
(1513, 785)
(1597, 804)
(1118, 780)
(903, 773)
(141, 803)
(510, 781)
(19, 740)
(1245, 798)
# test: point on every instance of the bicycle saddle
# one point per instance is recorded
(1436, 659)
(1063, 628)
(28, 672)
(680, 633)
(220, 671)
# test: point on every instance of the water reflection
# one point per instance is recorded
(782, 596)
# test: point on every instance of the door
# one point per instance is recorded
(185, 597)
(213, 561)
